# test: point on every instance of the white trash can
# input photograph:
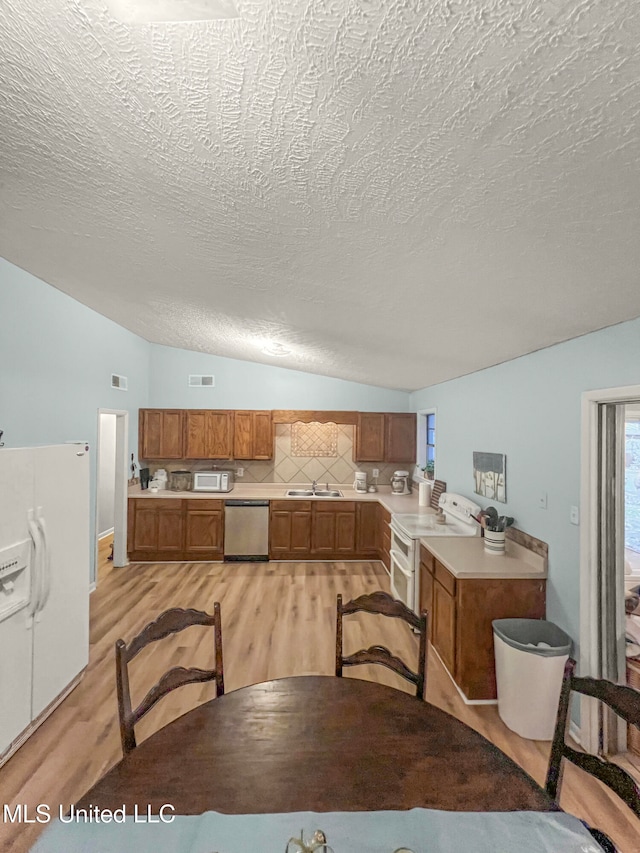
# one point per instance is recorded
(530, 657)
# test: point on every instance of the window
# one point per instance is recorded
(427, 443)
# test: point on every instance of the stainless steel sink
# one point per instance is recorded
(309, 493)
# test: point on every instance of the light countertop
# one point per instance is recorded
(277, 491)
(465, 557)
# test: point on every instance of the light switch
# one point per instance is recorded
(574, 515)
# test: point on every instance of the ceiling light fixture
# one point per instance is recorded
(276, 349)
(171, 11)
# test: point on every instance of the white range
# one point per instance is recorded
(407, 528)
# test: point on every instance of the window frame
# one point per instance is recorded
(422, 420)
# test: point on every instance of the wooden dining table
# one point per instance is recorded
(317, 743)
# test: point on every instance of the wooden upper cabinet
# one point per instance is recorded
(400, 438)
(253, 435)
(370, 432)
(160, 433)
(208, 434)
(385, 437)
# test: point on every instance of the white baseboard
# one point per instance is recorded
(106, 533)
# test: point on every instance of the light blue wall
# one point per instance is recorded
(529, 409)
(56, 361)
(249, 385)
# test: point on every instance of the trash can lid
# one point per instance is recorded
(536, 636)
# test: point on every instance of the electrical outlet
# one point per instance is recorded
(574, 515)
(542, 500)
(239, 472)
(376, 472)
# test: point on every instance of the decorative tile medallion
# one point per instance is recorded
(314, 439)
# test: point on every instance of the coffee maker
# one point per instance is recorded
(360, 482)
(400, 483)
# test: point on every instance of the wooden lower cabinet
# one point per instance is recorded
(384, 520)
(173, 529)
(368, 529)
(319, 530)
(204, 530)
(289, 530)
(461, 611)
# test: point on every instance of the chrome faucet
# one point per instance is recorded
(314, 485)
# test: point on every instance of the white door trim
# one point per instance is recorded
(121, 484)
(589, 615)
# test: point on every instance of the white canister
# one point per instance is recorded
(494, 542)
(424, 494)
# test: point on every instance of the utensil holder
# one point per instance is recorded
(494, 542)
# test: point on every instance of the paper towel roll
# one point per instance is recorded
(424, 494)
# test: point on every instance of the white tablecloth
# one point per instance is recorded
(421, 830)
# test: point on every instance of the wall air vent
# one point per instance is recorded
(119, 382)
(201, 381)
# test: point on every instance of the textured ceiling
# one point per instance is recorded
(400, 191)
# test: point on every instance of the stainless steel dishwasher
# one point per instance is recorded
(246, 531)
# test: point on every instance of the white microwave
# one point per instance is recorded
(213, 481)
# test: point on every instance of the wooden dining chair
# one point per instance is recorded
(170, 622)
(383, 604)
(625, 701)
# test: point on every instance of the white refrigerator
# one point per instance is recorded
(44, 583)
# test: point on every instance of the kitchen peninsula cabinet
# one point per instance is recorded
(385, 437)
(160, 433)
(461, 610)
(252, 435)
(289, 530)
(208, 434)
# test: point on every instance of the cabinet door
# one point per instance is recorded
(252, 435)
(444, 625)
(300, 545)
(279, 533)
(367, 528)
(262, 435)
(370, 435)
(243, 435)
(204, 529)
(323, 532)
(400, 443)
(426, 596)
(144, 528)
(160, 433)
(208, 434)
(345, 541)
(171, 531)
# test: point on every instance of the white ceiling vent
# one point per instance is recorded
(119, 382)
(201, 381)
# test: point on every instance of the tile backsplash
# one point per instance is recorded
(286, 468)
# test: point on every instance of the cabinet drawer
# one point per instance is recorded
(427, 559)
(160, 504)
(335, 506)
(290, 506)
(445, 577)
(202, 505)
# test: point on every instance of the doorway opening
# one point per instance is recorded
(610, 562)
(111, 491)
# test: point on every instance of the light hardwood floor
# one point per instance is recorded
(278, 620)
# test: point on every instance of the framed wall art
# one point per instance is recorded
(490, 475)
